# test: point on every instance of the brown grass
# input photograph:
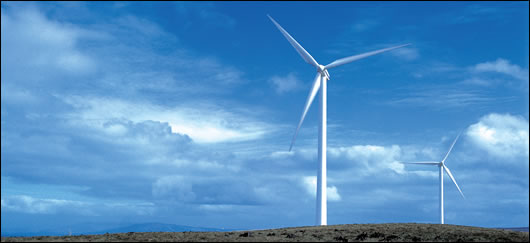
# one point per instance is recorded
(398, 232)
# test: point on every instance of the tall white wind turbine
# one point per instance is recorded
(320, 83)
(441, 165)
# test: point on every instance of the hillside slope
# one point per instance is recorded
(333, 233)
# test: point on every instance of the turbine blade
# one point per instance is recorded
(360, 56)
(312, 94)
(303, 53)
(422, 163)
(450, 148)
(453, 179)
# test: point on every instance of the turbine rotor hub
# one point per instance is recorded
(322, 70)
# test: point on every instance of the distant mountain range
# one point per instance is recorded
(520, 229)
(147, 227)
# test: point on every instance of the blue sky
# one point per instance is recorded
(183, 113)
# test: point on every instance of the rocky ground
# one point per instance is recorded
(408, 232)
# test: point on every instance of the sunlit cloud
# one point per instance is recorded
(501, 135)
(206, 124)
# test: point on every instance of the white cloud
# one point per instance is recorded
(333, 194)
(285, 84)
(501, 135)
(281, 154)
(33, 205)
(310, 185)
(52, 46)
(27, 204)
(303, 153)
(114, 129)
(373, 158)
(502, 66)
(203, 123)
(37, 41)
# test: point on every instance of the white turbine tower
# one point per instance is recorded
(320, 83)
(441, 165)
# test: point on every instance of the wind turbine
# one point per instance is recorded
(441, 165)
(320, 83)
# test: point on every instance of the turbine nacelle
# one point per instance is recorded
(323, 71)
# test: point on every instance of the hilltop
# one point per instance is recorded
(394, 232)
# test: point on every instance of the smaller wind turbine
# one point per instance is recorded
(441, 165)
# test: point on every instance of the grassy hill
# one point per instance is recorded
(395, 232)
